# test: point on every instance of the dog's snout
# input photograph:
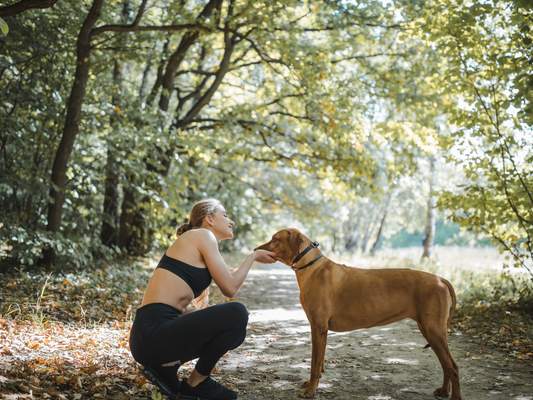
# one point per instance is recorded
(262, 247)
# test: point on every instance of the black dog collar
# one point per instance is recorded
(303, 253)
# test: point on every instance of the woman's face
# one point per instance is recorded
(222, 226)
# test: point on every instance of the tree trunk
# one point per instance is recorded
(337, 243)
(368, 232)
(71, 128)
(109, 233)
(381, 225)
(126, 215)
(430, 220)
(351, 231)
(110, 220)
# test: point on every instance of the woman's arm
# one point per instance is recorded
(228, 283)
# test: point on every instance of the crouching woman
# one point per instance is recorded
(165, 334)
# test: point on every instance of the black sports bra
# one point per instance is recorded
(197, 278)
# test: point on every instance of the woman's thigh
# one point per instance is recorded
(184, 338)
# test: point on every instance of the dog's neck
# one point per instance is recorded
(306, 257)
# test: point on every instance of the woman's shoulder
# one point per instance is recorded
(198, 234)
(189, 245)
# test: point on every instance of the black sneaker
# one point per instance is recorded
(206, 390)
(166, 378)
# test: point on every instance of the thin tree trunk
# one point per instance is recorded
(126, 215)
(109, 233)
(381, 225)
(143, 88)
(430, 220)
(338, 241)
(110, 220)
(351, 232)
(71, 128)
(368, 232)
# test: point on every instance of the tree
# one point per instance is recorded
(71, 126)
(485, 50)
(225, 98)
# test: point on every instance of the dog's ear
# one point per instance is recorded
(295, 240)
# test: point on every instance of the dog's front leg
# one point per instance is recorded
(319, 338)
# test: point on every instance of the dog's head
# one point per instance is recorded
(286, 244)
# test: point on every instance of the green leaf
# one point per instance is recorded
(4, 26)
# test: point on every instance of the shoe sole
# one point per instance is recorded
(154, 378)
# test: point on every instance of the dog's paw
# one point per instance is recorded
(307, 393)
(441, 392)
(305, 384)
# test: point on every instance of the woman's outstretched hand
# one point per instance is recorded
(264, 256)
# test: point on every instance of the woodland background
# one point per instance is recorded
(353, 120)
(369, 125)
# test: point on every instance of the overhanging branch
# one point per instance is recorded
(132, 28)
(24, 5)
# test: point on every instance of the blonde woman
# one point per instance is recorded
(165, 334)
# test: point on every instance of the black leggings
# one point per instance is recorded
(160, 334)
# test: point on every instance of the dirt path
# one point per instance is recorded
(382, 363)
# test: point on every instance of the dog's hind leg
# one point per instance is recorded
(319, 339)
(437, 338)
(423, 334)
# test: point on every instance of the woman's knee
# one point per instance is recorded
(237, 313)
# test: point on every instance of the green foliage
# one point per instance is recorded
(295, 103)
(483, 76)
(288, 111)
(4, 27)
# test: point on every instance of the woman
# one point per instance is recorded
(165, 334)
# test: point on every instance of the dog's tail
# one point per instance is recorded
(454, 302)
(452, 306)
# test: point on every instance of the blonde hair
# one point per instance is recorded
(199, 211)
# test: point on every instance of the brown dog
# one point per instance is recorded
(340, 298)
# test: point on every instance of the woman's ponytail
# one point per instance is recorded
(183, 228)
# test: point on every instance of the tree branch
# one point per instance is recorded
(204, 100)
(131, 28)
(24, 5)
(291, 115)
(368, 56)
